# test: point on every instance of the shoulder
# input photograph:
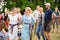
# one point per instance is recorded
(36, 11)
(51, 10)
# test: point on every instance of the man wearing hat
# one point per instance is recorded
(47, 19)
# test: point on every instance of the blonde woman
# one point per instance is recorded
(27, 21)
(13, 23)
(56, 19)
(40, 24)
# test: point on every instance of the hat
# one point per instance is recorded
(48, 4)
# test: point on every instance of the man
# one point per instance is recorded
(35, 14)
(47, 19)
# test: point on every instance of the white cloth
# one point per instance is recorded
(36, 13)
(13, 18)
(33, 18)
(20, 28)
(13, 36)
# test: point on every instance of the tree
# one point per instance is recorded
(31, 3)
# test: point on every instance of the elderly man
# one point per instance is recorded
(47, 19)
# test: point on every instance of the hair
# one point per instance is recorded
(37, 6)
(13, 8)
(18, 9)
(56, 8)
(6, 29)
(41, 8)
(29, 9)
(1, 25)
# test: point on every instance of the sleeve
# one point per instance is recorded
(19, 18)
(54, 13)
(33, 13)
(33, 20)
(43, 19)
(51, 11)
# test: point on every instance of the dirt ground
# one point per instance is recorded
(54, 36)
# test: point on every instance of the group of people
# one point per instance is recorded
(14, 24)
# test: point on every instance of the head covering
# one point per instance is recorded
(47, 4)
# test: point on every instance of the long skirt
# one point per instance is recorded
(13, 36)
(25, 32)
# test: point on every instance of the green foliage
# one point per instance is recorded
(31, 3)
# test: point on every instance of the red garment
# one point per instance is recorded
(6, 23)
(0, 17)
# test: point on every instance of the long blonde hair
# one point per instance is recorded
(41, 9)
(29, 9)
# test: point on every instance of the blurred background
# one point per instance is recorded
(31, 3)
(23, 3)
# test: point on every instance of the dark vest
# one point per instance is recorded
(40, 18)
(57, 13)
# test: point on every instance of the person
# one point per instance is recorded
(13, 23)
(27, 21)
(31, 30)
(40, 24)
(5, 17)
(47, 21)
(35, 14)
(2, 34)
(5, 30)
(20, 24)
(56, 15)
(18, 12)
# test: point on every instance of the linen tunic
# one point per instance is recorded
(13, 20)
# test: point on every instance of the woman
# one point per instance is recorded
(5, 17)
(56, 15)
(40, 24)
(2, 35)
(27, 21)
(13, 23)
